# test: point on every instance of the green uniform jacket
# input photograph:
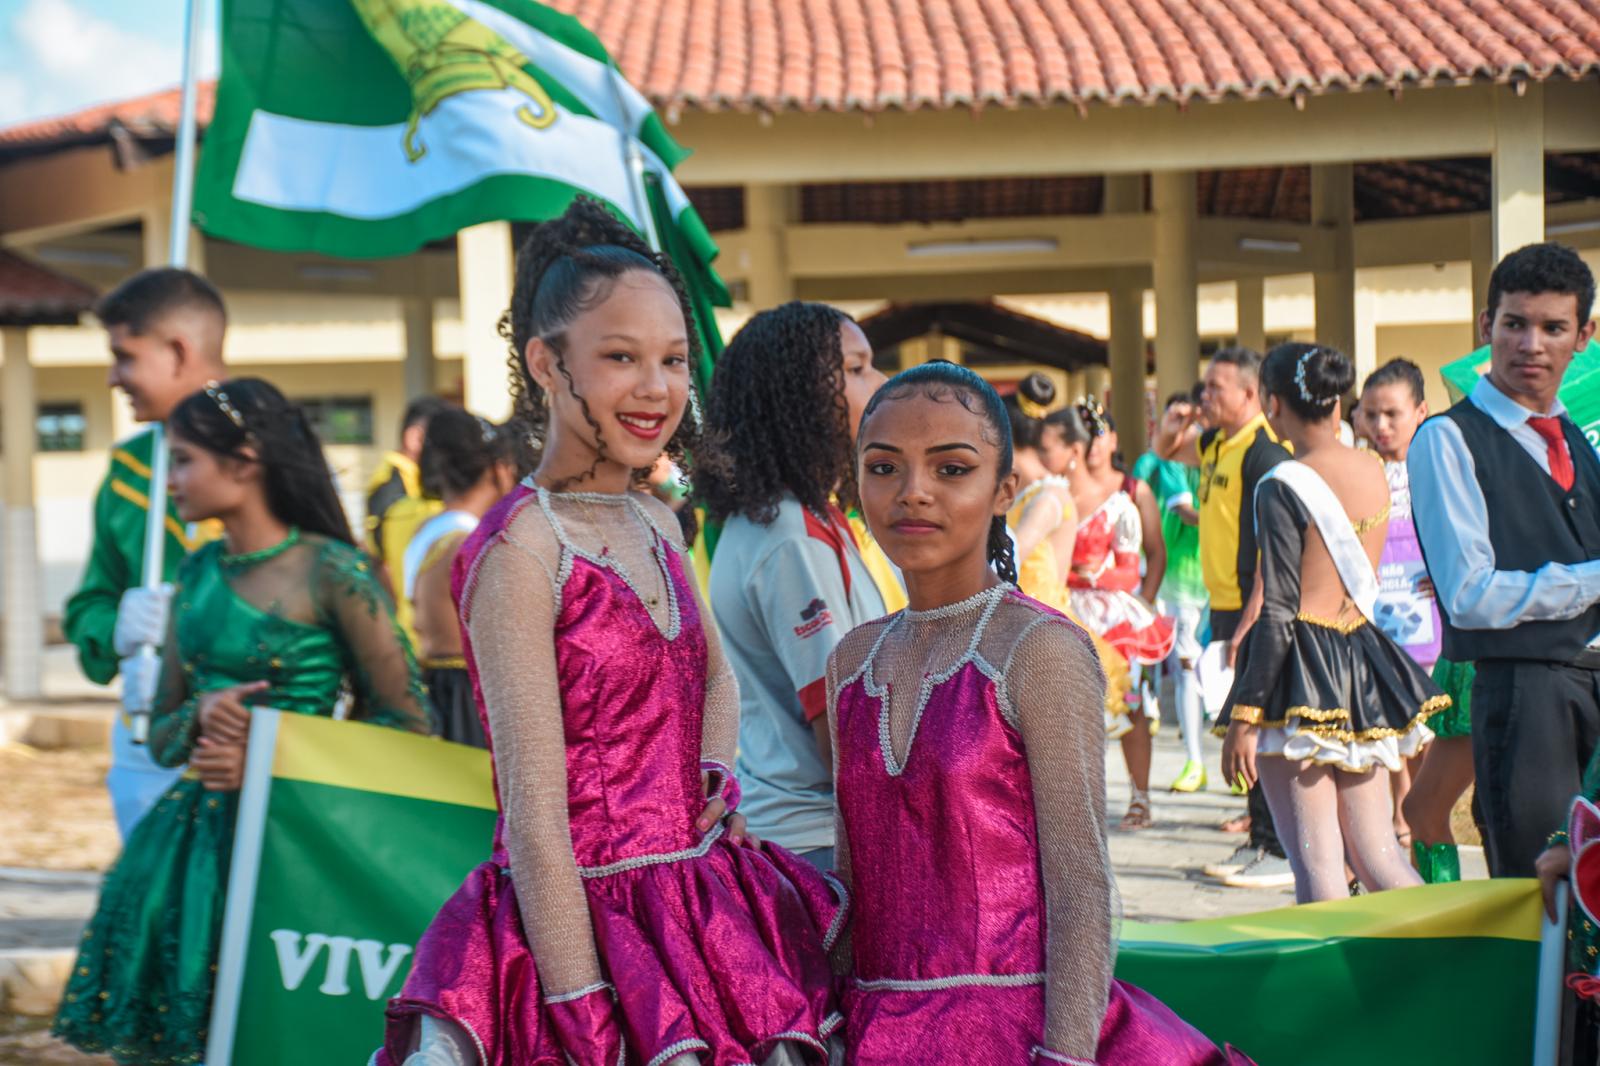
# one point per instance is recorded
(116, 561)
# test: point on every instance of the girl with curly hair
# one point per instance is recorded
(789, 578)
(625, 916)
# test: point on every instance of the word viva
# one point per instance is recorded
(299, 952)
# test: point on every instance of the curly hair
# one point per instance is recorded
(566, 267)
(778, 410)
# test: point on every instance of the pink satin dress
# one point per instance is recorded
(712, 948)
(947, 917)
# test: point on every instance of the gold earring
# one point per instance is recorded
(544, 400)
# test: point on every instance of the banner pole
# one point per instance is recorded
(633, 163)
(155, 526)
(1552, 956)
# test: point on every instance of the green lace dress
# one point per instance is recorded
(308, 617)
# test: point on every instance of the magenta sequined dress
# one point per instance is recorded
(711, 948)
(947, 912)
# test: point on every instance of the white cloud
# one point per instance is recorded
(72, 58)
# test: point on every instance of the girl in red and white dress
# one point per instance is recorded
(1118, 519)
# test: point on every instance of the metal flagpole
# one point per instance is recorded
(155, 528)
(633, 161)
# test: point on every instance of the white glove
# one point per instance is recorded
(141, 619)
(140, 673)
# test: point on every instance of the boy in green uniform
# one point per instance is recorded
(165, 328)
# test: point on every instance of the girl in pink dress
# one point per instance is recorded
(621, 919)
(969, 776)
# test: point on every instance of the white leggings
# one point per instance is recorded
(1325, 816)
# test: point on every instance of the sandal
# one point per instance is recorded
(1138, 816)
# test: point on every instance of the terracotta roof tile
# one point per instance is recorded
(875, 55)
(31, 294)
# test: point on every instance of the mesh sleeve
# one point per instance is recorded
(719, 724)
(1282, 522)
(1053, 686)
(383, 670)
(511, 623)
(840, 951)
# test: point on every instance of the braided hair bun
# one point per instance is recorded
(1309, 378)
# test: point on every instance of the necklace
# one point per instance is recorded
(261, 555)
(585, 502)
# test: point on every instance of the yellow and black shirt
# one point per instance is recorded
(1229, 470)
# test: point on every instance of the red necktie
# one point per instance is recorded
(1556, 444)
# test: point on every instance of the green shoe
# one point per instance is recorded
(1422, 858)
(1192, 778)
(1446, 863)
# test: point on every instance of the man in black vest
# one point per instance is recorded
(1505, 492)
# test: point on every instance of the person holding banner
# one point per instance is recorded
(165, 328)
(1506, 493)
(284, 612)
(968, 743)
(621, 916)
(1326, 706)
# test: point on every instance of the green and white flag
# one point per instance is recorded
(359, 128)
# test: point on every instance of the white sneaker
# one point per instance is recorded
(1268, 871)
(1242, 856)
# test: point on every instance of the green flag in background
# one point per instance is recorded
(1580, 389)
(359, 128)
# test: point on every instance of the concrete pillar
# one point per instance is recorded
(1365, 350)
(1096, 382)
(1517, 191)
(417, 312)
(767, 211)
(914, 352)
(1126, 352)
(949, 349)
(1334, 290)
(1250, 313)
(1172, 194)
(24, 607)
(156, 228)
(1482, 266)
(485, 269)
(1077, 385)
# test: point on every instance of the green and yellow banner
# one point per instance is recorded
(350, 837)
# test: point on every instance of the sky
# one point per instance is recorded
(57, 56)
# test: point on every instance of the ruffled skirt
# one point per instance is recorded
(723, 954)
(1127, 623)
(1346, 697)
(140, 989)
(960, 1026)
(455, 710)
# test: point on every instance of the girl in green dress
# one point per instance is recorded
(283, 612)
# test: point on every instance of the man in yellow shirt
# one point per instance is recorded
(396, 504)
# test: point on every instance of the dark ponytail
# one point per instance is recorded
(227, 417)
(949, 381)
(1002, 550)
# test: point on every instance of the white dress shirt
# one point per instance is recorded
(1452, 522)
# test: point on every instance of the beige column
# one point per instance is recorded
(1126, 354)
(1334, 290)
(915, 352)
(1250, 313)
(417, 312)
(1096, 382)
(767, 210)
(1482, 267)
(1517, 191)
(24, 609)
(485, 269)
(1124, 195)
(950, 350)
(1172, 194)
(1365, 349)
(156, 228)
(1077, 385)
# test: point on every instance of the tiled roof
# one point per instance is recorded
(34, 295)
(878, 55)
(874, 55)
